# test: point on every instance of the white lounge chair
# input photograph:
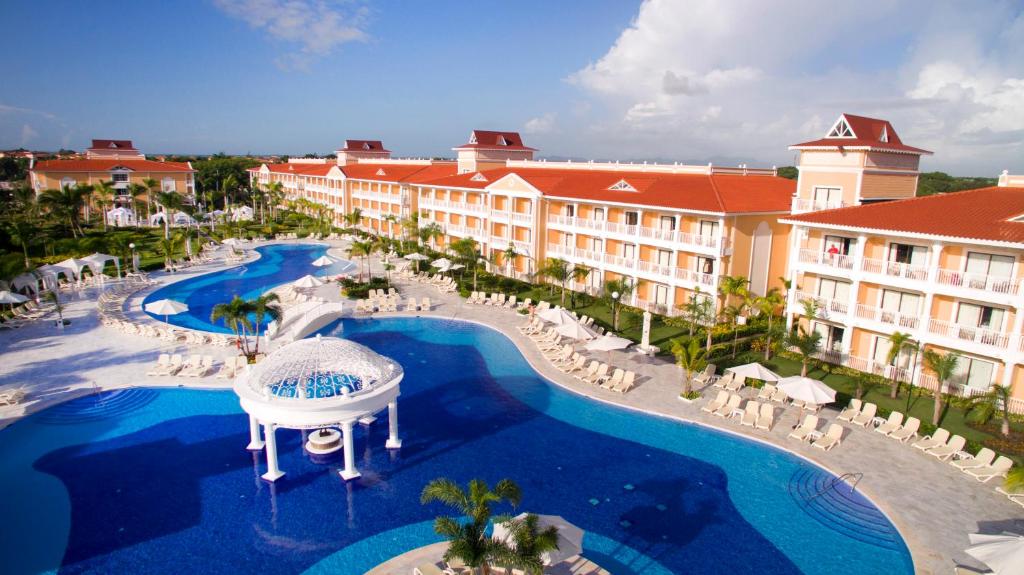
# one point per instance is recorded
(937, 439)
(1000, 468)
(766, 417)
(192, 366)
(716, 403)
(981, 459)
(803, 431)
(766, 391)
(727, 409)
(851, 411)
(591, 369)
(832, 437)
(750, 412)
(614, 380)
(907, 431)
(162, 363)
(866, 415)
(894, 422)
(944, 452)
(628, 381)
(597, 377)
(704, 377)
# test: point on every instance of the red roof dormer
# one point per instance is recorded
(375, 146)
(861, 133)
(491, 140)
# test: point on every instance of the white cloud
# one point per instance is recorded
(6, 109)
(543, 124)
(746, 78)
(316, 27)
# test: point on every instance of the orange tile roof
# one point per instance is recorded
(868, 132)
(982, 214)
(491, 140)
(716, 193)
(300, 169)
(105, 165)
(363, 146)
(385, 172)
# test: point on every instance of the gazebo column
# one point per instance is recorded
(255, 441)
(393, 441)
(350, 471)
(273, 472)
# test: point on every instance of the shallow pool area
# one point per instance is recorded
(149, 481)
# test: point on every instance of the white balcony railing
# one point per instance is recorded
(465, 231)
(895, 269)
(979, 335)
(642, 232)
(827, 308)
(594, 258)
(655, 307)
(838, 261)
(435, 204)
(804, 205)
(993, 284)
(879, 368)
(888, 317)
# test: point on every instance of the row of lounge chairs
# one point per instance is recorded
(12, 396)
(754, 413)
(391, 304)
(197, 366)
(193, 260)
(290, 236)
(110, 305)
(567, 360)
(25, 314)
(808, 431)
(497, 300)
(444, 284)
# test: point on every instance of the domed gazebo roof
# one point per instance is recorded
(318, 381)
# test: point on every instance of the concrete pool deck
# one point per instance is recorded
(933, 505)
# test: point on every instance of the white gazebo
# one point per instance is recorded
(315, 384)
(120, 217)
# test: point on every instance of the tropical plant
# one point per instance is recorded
(235, 315)
(807, 345)
(898, 343)
(558, 270)
(691, 357)
(352, 218)
(734, 288)
(169, 202)
(623, 288)
(467, 539)
(508, 256)
(104, 192)
(168, 248)
(1014, 480)
(22, 231)
(767, 305)
(264, 307)
(579, 274)
(942, 365)
(361, 249)
(526, 545)
(65, 204)
(152, 187)
(995, 402)
(429, 232)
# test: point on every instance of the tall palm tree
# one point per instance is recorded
(170, 202)
(264, 308)
(622, 287)
(65, 204)
(558, 270)
(942, 365)
(898, 343)
(235, 315)
(393, 220)
(508, 256)
(169, 248)
(768, 305)
(988, 405)
(527, 544)
(104, 193)
(275, 194)
(807, 345)
(352, 218)
(22, 231)
(579, 274)
(360, 249)
(468, 540)
(691, 357)
(152, 187)
(734, 288)
(429, 232)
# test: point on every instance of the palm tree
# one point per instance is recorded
(264, 307)
(429, 232)
(22, 231)
(352, 218)
(508, 256)
(66, 204)
(558, 270)
(898, 342)
(734, 287)
(691, 357)
(622, 287)
(152, 187)
(807, 344)
(468, 540)
(169, 202)
(104, 196)
(527, 544)
(235, 315)
(768, 304)
(275, 194)
(361, 249)
(393, 220)
(169, 248)
(942, 365)
(579, 274)
(986, 406)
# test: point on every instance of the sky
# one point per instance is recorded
(695, 81)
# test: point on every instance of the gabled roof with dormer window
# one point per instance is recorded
(851, 132)
(364, 146)
(491, 140)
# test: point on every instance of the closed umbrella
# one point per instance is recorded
(557, 316)
(166, 307)
(1004, 554)
(307, 281)
(807, 390)
(570, 537)
(322, 261)
(755, 371)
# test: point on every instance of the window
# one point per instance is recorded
(167, 185)
(664, 258)
(569, 210)
(119, 177)
(984, 265)
(629, 251)
(660, 294)
(598, 214)
(974, 373)
(708, 229)
(841, 130)
(622, 186)
(885, 135)
(597, 245)
(831, 336)
(479, 177)
(843, 246)
(668, 223)
(569, 240)
(68, 183)
(834, 290)
(880, 354)
(983, 316)
(908, 254)
(907, 305)
(827, 196)
(632, 218)
(705, 265)
(594, 281)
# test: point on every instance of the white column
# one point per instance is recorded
(350, 471)
(393, 441)
(273, 472)
(794, 249)
(255, 441)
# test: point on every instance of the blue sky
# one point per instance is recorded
(693, 80)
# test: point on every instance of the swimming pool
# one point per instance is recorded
(149, 481)
(278, 264)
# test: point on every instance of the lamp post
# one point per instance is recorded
(135, 258)
(615, 310)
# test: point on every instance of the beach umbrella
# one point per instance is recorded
(608, 342)
(557, 316)
(1004, 554)
(307, 281)
(570, 537)
(322, 261)
(441, 263)
(457, 267)
(577, 331)
(416, 257)
(755, 371)
(11, 297)
(166, 307)
(807, 389)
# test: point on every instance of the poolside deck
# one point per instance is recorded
(933, 505)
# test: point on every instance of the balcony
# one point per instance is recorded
(887, 317)
(895, 269)
(828, 309)
(801, 205)
(514, 217)
(878, 368)
(435, 204)
(964, 333)
(698, 242)
(478, 234)
(987, 283)
(655, 307)
(631, 264)
(825, 259)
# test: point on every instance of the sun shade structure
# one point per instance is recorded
(307, 281)
(166, 307)
(318, 383)
(557, 316)
(443, 263)
(577, 331)
(608, 342)
(322, 261)
(416, 257)
(570, 537)
(807, 389)
(755, 371)
(1004, 554)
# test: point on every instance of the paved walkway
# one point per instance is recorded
(406, 562)
(933, 505)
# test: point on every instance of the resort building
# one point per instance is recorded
(116, 161)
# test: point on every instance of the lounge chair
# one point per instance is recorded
(425, 304)
(205, 367)
(173, 367)
(705, 377)
(427, 569)
(832, 437)
(725, 380)
(574, 366)
(1000, 468)
(779, 396)
(227, 371)
(737, 383)
(894, 422)
(411, 305)
(944, 452)
(981, 459)
(162, 363)
(727, 409)
(750, 413)
(599, 375)
(803, 431)
(766, 417)
(573, 357)
(716, 403)
(193, 365)
(614, 380)
(851, 411)
(937, 439)
(1015, 497)
(865, 416)
(559, 354)
(12, 396)
(592, 368)
(765, 394)
(909, 430)
(628, 381)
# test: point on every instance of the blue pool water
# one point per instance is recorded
(147, 481)
(278, 264)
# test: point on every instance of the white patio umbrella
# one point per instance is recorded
(456, 267)
(1004, 554)
(557, 316)
(231, 242)
(570, 537)
(416, 257)
(577, 331)
(166, 307)
(322, 261)
(608, 342)
(307, 281)
(755, 371)
(807, 389)
(12, 298)
(441, 263)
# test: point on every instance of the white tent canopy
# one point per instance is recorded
(11, 298)
(807, 389)
(98, 261)
(73, 264)
(178, 219)
(1004, 554)
(755, 371)
(241, 213)
(570, 537)
(120, 217)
